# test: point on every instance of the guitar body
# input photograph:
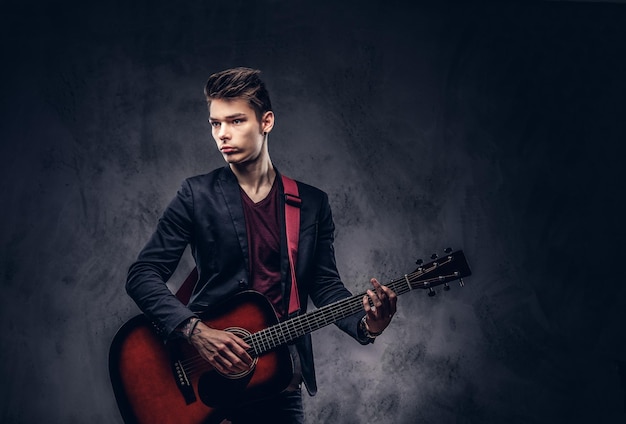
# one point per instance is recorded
(168, 383)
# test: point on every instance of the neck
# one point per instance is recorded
(255, 178)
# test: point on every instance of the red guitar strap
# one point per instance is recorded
(292, 225)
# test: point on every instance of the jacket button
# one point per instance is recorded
(243, 284)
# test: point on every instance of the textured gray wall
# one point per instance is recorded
(495, 129)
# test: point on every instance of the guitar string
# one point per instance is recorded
(269, 338)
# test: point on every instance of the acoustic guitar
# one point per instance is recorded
(158, 383)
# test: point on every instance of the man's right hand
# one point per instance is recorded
(225, 351)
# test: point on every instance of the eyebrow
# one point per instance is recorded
(233, 116)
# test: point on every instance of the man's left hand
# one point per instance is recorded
(384, 301)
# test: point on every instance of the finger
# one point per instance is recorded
(240, 348)
(392, 300)
(234, 361)
(218, 367)
(376, 301)
(381, 294)
(387, 296)
(377, 287)
(236, 352)
(380, 310)
(227, 363)
(214, 360)
(369, 309)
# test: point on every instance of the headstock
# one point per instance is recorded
(440, 270)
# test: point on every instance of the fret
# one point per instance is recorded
(282, 333)
(257, 346)
(264, 340)
(408, 283)
(309, 329)
(273, 336)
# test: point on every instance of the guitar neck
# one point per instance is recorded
(428, 276)
(289, 330)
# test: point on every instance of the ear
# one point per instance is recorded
(267, 122)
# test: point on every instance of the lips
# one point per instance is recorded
(227, 149)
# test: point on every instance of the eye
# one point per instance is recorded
(214, 124)
(237, 121)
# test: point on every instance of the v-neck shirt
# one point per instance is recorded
(263, 230)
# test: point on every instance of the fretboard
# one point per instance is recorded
(289, 330)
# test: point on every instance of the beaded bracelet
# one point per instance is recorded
(189, 327)
(368, 333)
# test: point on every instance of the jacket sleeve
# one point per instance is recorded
(327, 286)
(147, 276)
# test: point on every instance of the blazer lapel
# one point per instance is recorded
(232, 199)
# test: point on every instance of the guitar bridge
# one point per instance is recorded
(183, 383)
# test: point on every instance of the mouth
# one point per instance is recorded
(227, 149)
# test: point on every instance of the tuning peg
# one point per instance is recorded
(419, 262)
(447, 250)
(433, 256)
(431, 292)
(446, 287)
(461, 283)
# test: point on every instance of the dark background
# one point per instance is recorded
(495, 128)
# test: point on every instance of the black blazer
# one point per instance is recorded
(207, 214)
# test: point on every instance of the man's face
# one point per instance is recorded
(237, 131)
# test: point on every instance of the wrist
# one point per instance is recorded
(186, 329)
(364, 328)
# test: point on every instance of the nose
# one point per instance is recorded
(223, 133)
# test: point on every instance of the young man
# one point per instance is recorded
(233, 218)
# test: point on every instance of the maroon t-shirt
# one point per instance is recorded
(264, 246)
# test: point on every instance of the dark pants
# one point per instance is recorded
(285, 408)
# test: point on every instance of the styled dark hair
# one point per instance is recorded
(239, 83)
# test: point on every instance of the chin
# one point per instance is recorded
(238, 159)
(232, 159)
